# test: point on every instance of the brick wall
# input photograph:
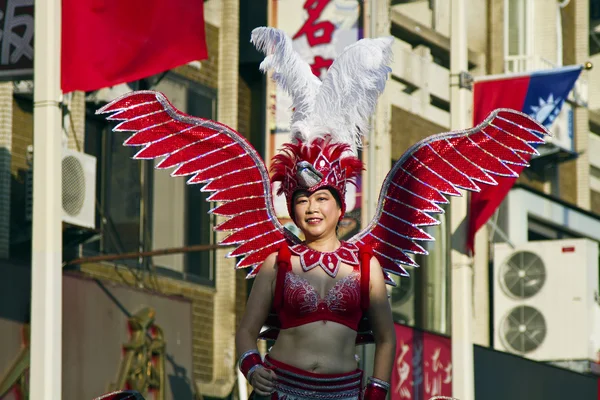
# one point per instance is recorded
(76, 128)
(527, 179)
(244, 108)
(241, 286)
(22, 136)
(22, 133)
(567, 181)
(575, 19)
(6, 101)
(495, 53)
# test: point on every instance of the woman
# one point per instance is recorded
(315, 294)
(322, 342)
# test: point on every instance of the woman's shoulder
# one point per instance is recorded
(268, 267)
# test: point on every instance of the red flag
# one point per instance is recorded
(108, 42)
(540, 94)
(487, 96)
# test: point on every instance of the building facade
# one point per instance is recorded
(190, 301)
(552, 211)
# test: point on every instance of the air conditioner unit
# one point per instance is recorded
(402, 298)
(546, 300)
(78, 189)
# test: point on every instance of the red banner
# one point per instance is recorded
(423, 366)
(105, 43)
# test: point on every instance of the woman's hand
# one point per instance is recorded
(263, 381)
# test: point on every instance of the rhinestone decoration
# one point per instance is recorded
(330, 262)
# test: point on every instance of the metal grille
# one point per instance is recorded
(523, 275)
(73, 186)
(524, 329)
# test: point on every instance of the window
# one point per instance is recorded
(594, 27)
(122, 207)
(594, 154)
(423, 299)
(540, 230)
(199, 224)
(517, 35)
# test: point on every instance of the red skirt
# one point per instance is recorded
(296, 384)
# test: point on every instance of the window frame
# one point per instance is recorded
(515, 63)
(209, 256)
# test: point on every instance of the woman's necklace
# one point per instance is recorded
(330, 262)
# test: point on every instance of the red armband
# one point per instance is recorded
(376, 389)
(248, 363)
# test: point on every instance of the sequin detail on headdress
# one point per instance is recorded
(320, 163)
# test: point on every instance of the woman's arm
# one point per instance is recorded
(257, 307)
(257, 310)
(380, 314)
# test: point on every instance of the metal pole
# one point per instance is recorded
(463, 386)
(46, 248)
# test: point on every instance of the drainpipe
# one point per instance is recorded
(463, 382)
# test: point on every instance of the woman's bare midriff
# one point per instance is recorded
(322, 347)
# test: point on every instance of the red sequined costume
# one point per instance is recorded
(329, 118)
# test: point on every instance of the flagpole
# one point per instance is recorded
(484, 78)
(463, 382)
(46, 248)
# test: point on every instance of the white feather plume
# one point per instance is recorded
(349, 93)
(290, 72)
(342, 104)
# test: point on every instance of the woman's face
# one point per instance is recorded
(316, 214)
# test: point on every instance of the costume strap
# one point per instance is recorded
(376, 389)
(284, 263)
(249, 362)
(365, 253)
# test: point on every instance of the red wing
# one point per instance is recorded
(214, 155)
(438, 166)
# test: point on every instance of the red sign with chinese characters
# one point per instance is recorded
(320, 31)
(423, 366)
(317, 33)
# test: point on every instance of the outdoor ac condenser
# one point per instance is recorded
(78, 189)
(546, 299)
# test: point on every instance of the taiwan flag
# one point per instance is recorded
(540, 94)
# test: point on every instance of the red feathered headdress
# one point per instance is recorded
(313, 166)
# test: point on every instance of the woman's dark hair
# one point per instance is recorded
(331, 190)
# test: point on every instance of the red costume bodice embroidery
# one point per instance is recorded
(300, 303)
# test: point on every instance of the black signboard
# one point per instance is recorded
(16, 39)
(503, 376)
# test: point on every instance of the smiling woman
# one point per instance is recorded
(318, 289)
(317, 215)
